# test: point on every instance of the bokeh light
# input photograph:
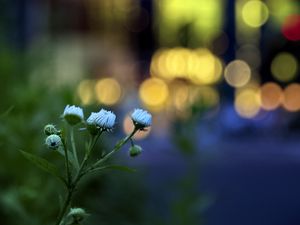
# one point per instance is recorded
(204, 96)
(128, 128)
(247, 102)
(204, 19)
(284, 67)
(205, 68)
(85, 91)
(108, 91)
(281, 9)
(255, 13)
(291, 99)
(291, 28)
(237, 73)
(179, 93)
(271, 96)
(199, 66)
(154, 93)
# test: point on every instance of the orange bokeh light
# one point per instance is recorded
(271, 96)
(291, 100)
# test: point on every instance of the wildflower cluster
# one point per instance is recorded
(75, 168)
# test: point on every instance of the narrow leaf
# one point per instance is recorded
(43, 164)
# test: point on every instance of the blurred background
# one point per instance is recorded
(221, 78)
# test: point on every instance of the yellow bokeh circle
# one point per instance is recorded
(154, 93)
(108, 91)
(85, 91)
(247, 103)
(255, 13)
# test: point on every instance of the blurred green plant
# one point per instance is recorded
(188, 203)
(25, 105)
(75, 169)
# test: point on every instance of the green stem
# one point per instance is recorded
(108, 155)
(86, 157)
(69, 179)
(72, 185)
(74, 149)
(65, 206)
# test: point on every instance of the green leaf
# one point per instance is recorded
(43, 164)
(114, 167)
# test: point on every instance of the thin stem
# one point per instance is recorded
(81, 173)
(131, 142)
(74, 148)
(72, 185)
(88, 152)
(115, 149)
(86, 157)
(69, 179)
(65, 206)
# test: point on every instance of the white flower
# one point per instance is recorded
(106, 119)
(53, 141)
(73, 114)
(103, 119)
(92, 118)
(141, 118)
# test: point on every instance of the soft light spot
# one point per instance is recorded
(247, 103)
(271, 96)
(204, 96)
(154, 93)
(255, 13)
(199, 66)
(180, 95)
(291, 99)
(284, 67)
(85, 91)
(108, 91)
(237, 73)
(291, 28)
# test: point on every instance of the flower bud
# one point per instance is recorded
(141, 119)
(73, 114)
(101, 121)
(50, 129)
(76, 215)
(135, 150)
(91, 123)
(53, 141)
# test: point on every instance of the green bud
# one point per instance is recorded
(135, 150)
(50, 129)
(53, 141)
(73, 114)
(76, 215)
